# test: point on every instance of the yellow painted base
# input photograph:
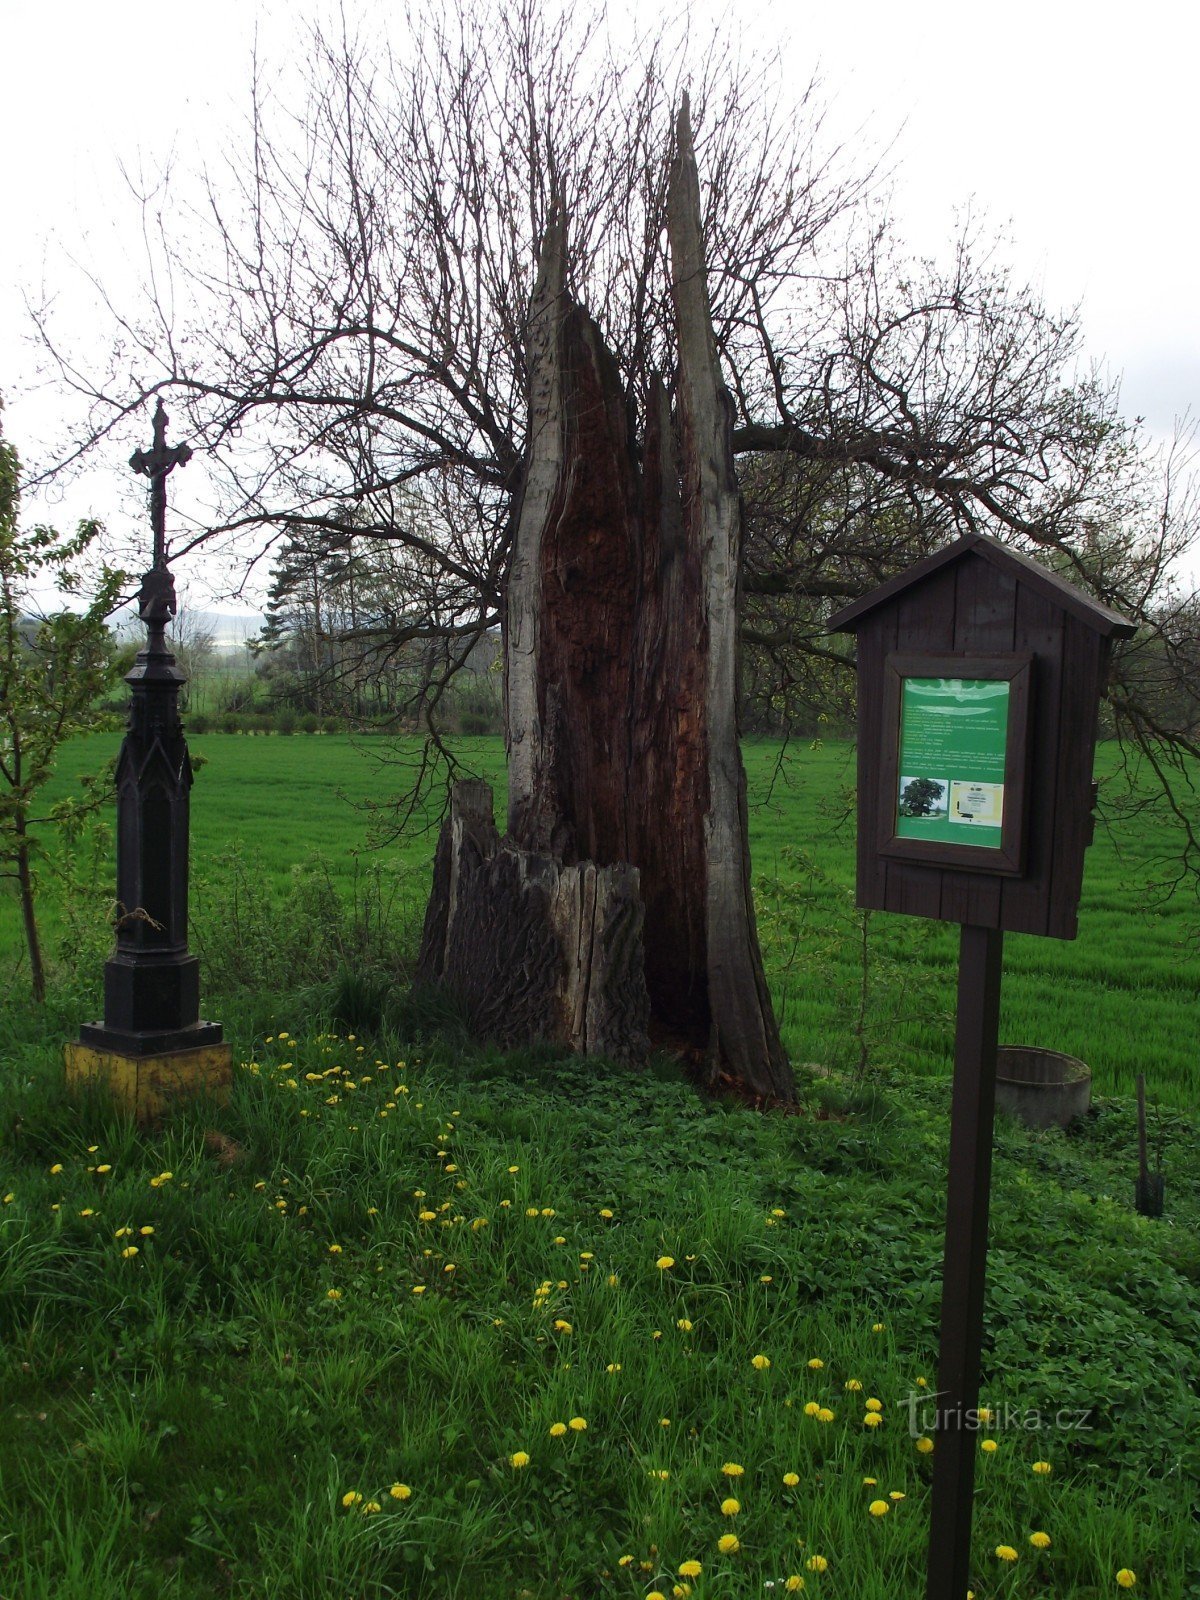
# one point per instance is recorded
(150, 1087)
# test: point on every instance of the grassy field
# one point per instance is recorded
(1125, 996)
(411, 1318)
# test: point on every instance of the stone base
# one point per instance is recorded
(152, 1086)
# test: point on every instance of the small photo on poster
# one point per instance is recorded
(974, 804)
(924, 797)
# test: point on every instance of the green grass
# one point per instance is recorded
(1124, 996)
(405, 1267)
(188, 1420)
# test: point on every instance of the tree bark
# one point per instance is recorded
(626, 850)
(33, 943)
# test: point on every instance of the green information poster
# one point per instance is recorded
(953, 740)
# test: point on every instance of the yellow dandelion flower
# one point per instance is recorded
(811, 1408)
(146, 1230)
(104, 1167)
(869, 1483)
(730, 1507)
(56, 1169)
(660, 1473)
(924, 1444)
(613, 1366)
(794, 1583)
(766, 1278)
(1040, 1541)
(732, 1469)
(879, 1508)
(612, 1280)
(872, 1420)
(817, 1564)
(418, 1288)
(664, 1262)
(816, 1363)
(129, 1250)
(605, 1213)
(87, 1212)
(122, 1233)
(684, 1325)
(518, 1460)
(852, 1385)
(664, 1422)
(371, 1507)
(625, 1561)
(690, 1569)
(989, 1446)
(791, 1479)
(874, 1405)
(531, 1211)
(557, 1429)
(333, 1294)
(514, 1169)
(1006, 1552)
(335, 1249)
(729, 1544)
(984, 1414)
(877, 1327)
(897, 1495)
(351, 1498)
(824, 1414)
(1126, 1579)
(1042, 1468)
(578, 1425)
(400, 1491)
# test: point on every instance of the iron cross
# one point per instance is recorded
(155, 464)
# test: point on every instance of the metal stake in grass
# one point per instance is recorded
(1148, 1190)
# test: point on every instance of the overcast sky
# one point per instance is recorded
(1073, 125)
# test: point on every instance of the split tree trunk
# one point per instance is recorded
(626, 851)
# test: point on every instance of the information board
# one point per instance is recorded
(953, 752)
(953, 760)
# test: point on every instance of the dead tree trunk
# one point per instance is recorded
(626, 851)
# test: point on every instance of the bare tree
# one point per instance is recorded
(351, 328)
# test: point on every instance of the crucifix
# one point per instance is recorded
(156, 599)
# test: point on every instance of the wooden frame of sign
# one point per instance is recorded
(1004, 786)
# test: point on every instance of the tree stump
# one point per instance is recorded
(619, 903)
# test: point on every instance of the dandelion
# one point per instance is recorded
(791, 1479)
(779, 1212)
(872, 1420)
(879, 1508)
(824, 1414)
(660, 1473)
(518, 1460)
(690, 1569)
(335, 1249)
(984, 1415)
(557, 1429)
(531, 1211)
(146, 1231)
(1040, 1541)
(122, 1233)
(874, 1405)
(869, 1483)
(400, 1491)
(418, 1288)
(924, 1445)
(605, 1213)
(816, 1363)
(333, 1294)
(664, 1262)
(729, 1544)
(87, 1212)
(760, 1363)
(129, 1251)
(426, 1216)
(664, 1422)
(1126, 1579)
(812, 1407)
(451, 1266)
(625, 1561)
(56, 1169)
(613, 1366)
(852, 1385)
(684, 1325)
(351, 1498)
(1042, 1468)
(371, 1507)
(9, 1198)
(561, 1325)
(922, 1383)
(817, 1564)
(794, 1583)
(514, 1169)
(578, 1425)
(766, 1278)
(1006, 1552)
(612, 1280)
(897, 1495)
(730, 1507)
(732, 1469)
(877, 1327)
(990, 1446)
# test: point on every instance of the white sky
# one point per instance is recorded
(1072, 124)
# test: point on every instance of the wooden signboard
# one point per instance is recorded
(979, 683)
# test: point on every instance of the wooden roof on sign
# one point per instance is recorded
(1055, 589)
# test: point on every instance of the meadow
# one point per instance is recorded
(409, 1317)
